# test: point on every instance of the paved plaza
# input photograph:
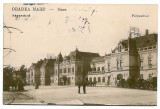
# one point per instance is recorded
(67, 95)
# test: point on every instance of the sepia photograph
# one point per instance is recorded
(80, 54)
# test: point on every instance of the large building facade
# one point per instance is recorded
(132, 58)
(135, 57)
(97, 73)
(65, 70)
(69, 69)
(40, 72)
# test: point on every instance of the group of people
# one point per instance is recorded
(83, 84)
(92, 84)
(18, 85)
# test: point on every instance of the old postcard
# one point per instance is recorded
(80, 54)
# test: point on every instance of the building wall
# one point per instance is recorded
(42, 75)
(64, 67)
(128, 61)
(37, 76)
(98, 77)
(113, 77)
(123, 57)
(28, 77)
(32, 76)
(97, 74)
(146, 70)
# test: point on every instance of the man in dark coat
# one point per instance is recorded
(79, 85)
(84, 86)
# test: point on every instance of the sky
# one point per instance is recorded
(62, 28)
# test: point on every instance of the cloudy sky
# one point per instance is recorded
(60, 28)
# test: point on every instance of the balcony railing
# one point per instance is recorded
(96, 72)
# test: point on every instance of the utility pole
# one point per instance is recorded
(133, 53)
(58, 73)
(10, 32)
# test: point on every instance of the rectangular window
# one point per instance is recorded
(69, 70)
(119, 48)
(120, 63)
(94, 69)
(72, 69)
(64, 70)
(150, 75)
(60, 70)
(149, 47)
(150, 63)
(102, 68)
(94, 78)
(145, 48)
(31, 73)
(141, 76)
(141, 63)
(117, 64)
(98, 68)
(99, 79)
(154, 46)
(103, 79)
(108, 66)
(90, 79)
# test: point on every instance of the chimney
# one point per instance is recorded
(146, 32)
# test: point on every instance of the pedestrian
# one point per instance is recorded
(84, 86)
(79, 85)
(20, 85)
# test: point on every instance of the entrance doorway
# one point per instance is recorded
(119, 76)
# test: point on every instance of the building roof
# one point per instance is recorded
(45, 61)
(39, 63)
(143, 41)
(85, 56)
(98, 59)
(33, 65)
(50, 62)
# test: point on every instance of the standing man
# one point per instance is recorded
(79, 85)
(84, 86)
